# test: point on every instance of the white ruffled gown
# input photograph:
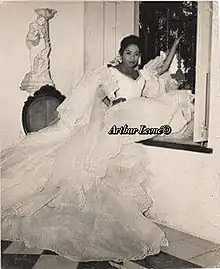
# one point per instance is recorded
(76, 190)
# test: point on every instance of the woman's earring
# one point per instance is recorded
(139, 61)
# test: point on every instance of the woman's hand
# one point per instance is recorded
(119, 100)
(177, 41)
(176, 36)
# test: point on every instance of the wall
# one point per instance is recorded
(104, 30)
(185, 190)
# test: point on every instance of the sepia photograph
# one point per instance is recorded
(110, 134)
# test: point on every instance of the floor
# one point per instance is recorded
(185, 251)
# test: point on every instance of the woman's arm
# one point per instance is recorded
(165, 67)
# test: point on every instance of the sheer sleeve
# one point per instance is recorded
(107, 85)
(152, 85)
(156, 84)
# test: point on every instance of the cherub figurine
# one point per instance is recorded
(38, 43)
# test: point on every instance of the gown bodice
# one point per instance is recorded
(127, 87)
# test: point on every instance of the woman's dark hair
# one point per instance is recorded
(130, 40)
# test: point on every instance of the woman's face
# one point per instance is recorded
(131, 56)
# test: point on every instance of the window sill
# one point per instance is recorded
(186, 145)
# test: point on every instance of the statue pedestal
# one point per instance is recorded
(33, 82)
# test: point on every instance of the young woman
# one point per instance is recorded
(78, 189)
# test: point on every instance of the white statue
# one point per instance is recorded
(38, 43)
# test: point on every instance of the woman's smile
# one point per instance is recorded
(132, 63)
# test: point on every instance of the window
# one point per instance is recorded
(193, 60)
